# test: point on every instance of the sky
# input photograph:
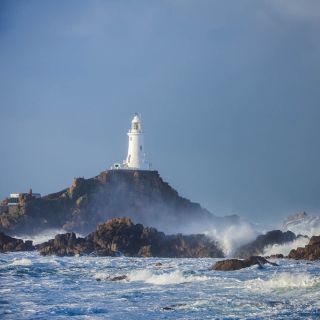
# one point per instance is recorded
(228, 92)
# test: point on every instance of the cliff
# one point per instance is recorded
(140, 195)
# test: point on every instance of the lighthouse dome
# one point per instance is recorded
(135, 118)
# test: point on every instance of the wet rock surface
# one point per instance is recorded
(122, 236)
(236, 264)
(8, 243)
(257, 246)
(310, 252)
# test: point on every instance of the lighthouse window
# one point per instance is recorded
(135, 126)
(129, 157)
(140, 148)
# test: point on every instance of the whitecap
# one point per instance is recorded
(21, 262)
(284, 280)
(164, 278)
(285, 248)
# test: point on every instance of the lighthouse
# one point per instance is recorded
(136, 158)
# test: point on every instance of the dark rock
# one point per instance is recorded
(63, 245)
(12, 244)
(310, 252)
(174, 306)
(257, 246)
(122, 235)
(119, 278)
(140, 195)
(235, 264)
(276, 256)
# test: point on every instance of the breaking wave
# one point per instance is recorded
(285, 248)
(284, 280)
(44, 235)
(21, 262)
(174, 277)
(232, 237)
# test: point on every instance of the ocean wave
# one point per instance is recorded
(284, 280)
(174, 277)
(285, 248)
(21, 262)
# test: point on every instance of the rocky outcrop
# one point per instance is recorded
(235, 264)
(121, 235)
(12, 244)
(63, 245)
(310, 252)
(256, 247)
(140, 195)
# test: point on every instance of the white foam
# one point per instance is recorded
(21, 262)
(164, 278)
(284, 280)
(232, 237)
(286, 247)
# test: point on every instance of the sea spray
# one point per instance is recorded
(285, 248)
(45, 235)
(233, 236)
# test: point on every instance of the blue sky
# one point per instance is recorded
(228, 92)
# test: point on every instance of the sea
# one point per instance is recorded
(36, 287)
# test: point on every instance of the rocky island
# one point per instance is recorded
(140, 195)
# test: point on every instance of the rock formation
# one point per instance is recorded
(310, 252)
(256, 247)
(235, 264)
(121, 235)
(140, 195)
(12, 244)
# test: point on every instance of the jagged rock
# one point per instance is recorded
(310, 252)
(235, 264)
(63, 245)
(256, 247)
(122, 235)
(12, 244)
(140, 195)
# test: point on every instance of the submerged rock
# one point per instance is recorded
(122, 235)
(310, 252)
(8, 243)
(236, 264)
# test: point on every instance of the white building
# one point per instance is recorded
(136, 158)
(13, 199)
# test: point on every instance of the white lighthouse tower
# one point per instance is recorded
(136, 158)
